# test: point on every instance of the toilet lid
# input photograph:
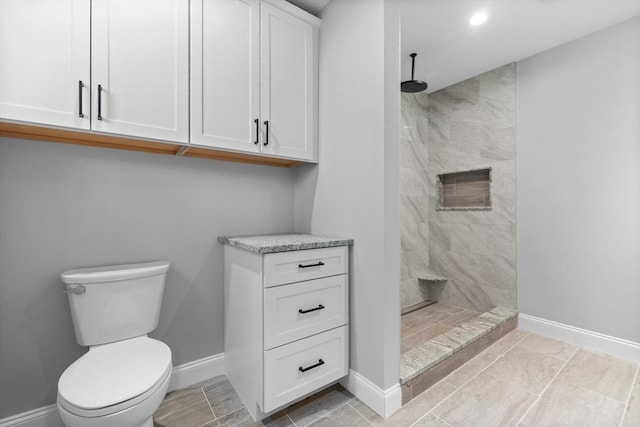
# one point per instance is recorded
(112, 373)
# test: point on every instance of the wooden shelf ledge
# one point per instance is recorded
(94, 139)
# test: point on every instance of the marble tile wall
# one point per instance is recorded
(472, 125)
(414, 198)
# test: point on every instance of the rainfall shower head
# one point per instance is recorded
(413, 86)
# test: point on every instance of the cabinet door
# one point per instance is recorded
(44, 55)
(225, 73)
(287, 84)
(140, 68)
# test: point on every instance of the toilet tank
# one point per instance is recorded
(118, 301)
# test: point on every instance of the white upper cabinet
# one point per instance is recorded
(140, 68)
(44, 61)
(225, 73)
(117, 66)
(253, 77)
(287, 84)
(237, 75)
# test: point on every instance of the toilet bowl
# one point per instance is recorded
(124, 376)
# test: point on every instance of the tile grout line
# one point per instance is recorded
(222, 416)
(488, 349)
(521, 420)
(447, 382)
(440, 419)
(233, 412)
(626, 406)
(328, 413)
(290, 419)
(457, 389)
(446, 398)
(206, 399)
(499, 356)
(359, 413)
(477, 356)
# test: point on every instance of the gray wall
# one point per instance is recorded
(353, 191)
(64, 206)
(472, 125)
(579, 183)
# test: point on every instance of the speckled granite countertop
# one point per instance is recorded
(269, 243)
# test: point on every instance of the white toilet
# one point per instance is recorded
(124, 376)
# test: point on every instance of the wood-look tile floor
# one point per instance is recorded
(426, 323)
(523, 380)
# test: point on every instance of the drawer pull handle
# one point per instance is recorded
(320, 363)
(317, 264)
(319, 307)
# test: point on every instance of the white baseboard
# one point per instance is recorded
(616, 347)
(384, 402)
(47, 416)
(194, 372)
(182, 376)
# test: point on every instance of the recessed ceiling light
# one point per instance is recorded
(478, 18)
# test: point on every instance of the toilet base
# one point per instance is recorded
(148, 422)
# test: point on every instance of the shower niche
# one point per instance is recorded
(468, 190)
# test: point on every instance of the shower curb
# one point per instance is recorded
(425, 365)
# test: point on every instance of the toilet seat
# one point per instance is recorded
(113, 377)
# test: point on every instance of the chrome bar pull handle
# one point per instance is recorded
(99, 102)
(76, 290)
(80, 86)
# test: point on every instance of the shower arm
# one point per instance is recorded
(413, 64)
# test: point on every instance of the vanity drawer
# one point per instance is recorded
(299, 368)
(296, 266)
(295, 311)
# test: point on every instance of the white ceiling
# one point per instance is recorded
(450, 50)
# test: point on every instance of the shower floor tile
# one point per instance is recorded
(426, 323)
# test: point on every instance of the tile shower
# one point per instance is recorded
(467, 126)
(461, 257)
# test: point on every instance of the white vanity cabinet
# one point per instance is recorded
(286, 323)
(254, 77)
(115, 66)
